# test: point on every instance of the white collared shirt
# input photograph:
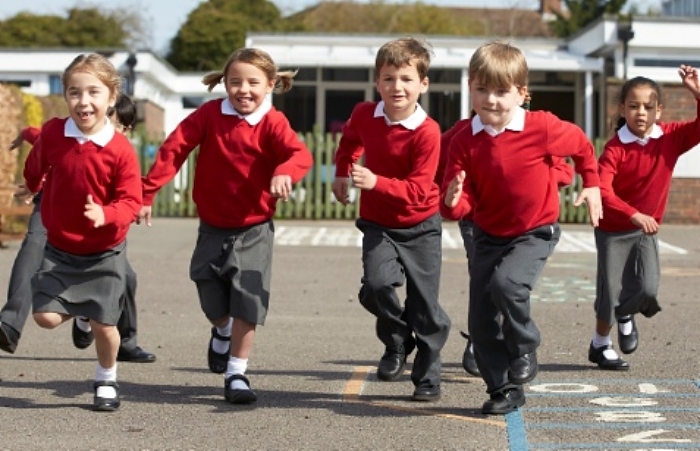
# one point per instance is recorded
(412, 122)
(101, 138)
(253, 118)
(517, 124)
(627, 137)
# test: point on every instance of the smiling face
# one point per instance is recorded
(641, 110)
(400, 88)
(247, 86)
(496, 106)
(88, 100)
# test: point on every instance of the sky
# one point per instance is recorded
(166, 16)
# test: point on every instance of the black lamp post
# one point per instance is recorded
(625, 33)
(130, 74)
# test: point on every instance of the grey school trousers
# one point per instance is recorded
(27, 262)
(503, 273)
(628, 275)
(412, 255)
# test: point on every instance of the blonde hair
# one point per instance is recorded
(402, 52)
(96, 65)
(500, 65)
(259, 59)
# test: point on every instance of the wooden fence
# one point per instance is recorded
(312, 197)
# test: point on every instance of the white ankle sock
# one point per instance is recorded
(237, 366)
(83, 324)
(624, 325)
(106, 374)
(600, 341)
(223, 346)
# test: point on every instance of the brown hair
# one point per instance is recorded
(402, 52)
(619, 121)
(500, 65)
(96, 65)
(257, 58)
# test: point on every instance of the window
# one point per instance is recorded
(55, 85)
(345, 74)
(192, 102)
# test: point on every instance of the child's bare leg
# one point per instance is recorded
(242, 337)
(106, 345)
(49, 320)
(602, 328)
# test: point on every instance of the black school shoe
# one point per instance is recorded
(81, 340)
(523, 369)
(468, 359)
(596, 355)
(217, 362)
(9, 338)
(106, 404)
(239, 395)
(393, 361)
(504, 401)
(628, 343)
(136, 355)
(426, 392)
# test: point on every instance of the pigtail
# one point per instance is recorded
(283, 82)
(212, 79)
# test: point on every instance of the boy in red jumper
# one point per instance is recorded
(635, 170)
(248, 158)
(499, 172)
(562, 172)
(399, 214)
(90, 181)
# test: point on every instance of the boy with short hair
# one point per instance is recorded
(399, 214)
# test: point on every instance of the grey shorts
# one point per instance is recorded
(90, 286)
(232, 269)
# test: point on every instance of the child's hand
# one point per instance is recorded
(17, 141)
(23, 194)
(454, 190)
(341, 186)
(591, 196)
(144, 215)
(362, 177)
(689, 77)
(94, 212)
(281, 187)
(648, 224)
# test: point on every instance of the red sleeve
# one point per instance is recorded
(295, 158)
(173, 153)
(31, 134)
(350, 148)
(123, 210)
(36, 166)
(565, 139)
(445, 147)
(457, 161)
(562, 172)
(607, 167)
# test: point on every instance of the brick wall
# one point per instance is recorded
(679, 105)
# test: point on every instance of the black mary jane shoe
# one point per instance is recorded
(468, 359)
(106, 404)
(597, 355)
(239, 395)
(81, 339)
(628, 343)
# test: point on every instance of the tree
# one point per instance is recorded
(216, 28)
(583, 12)
(83, 27)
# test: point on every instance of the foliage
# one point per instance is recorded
(381, 17)
(82, 27)
(216, 28)
(583, 12)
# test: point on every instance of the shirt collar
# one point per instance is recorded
(517, 124)
(412, 122)
(101, 138)
(627, 137)
(253, 118)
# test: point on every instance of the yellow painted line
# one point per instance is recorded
(353, 389)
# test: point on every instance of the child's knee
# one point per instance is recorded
(48, 320)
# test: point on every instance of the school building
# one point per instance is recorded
(576, 78)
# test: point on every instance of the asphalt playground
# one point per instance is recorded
(314, 361)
